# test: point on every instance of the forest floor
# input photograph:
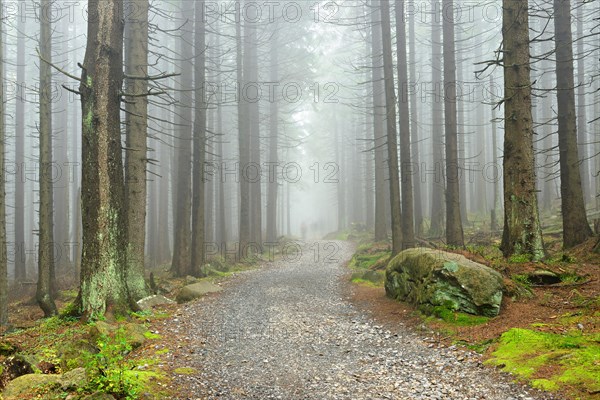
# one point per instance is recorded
(548, 331)
(297, 330)
(300, 329)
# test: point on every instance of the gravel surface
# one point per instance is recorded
(285, 331)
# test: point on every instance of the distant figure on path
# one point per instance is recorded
(303, 230)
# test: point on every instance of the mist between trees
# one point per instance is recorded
(187, 123)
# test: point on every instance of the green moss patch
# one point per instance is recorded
(570, 360)
(368, 260)
(452, 317)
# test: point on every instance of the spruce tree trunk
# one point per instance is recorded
(46, 285)
(251, 61)
(406, 168)
(582, 138)
(182, 253)
(575, 225)
(379, 136)
(454, 231)
(243, 150)
(273, 182)
(522, 233)
(496, 192)
(199, 183)
(434, 171)
(103, 284)
(3, 239)
(392, 146)
(414, 126)
(19, 214)
(136, 125)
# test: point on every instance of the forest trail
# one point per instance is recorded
(286, 331)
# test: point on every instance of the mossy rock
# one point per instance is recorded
(19, 387)
(16, 366)
(424, 276)
(101, 329)
(135, 334)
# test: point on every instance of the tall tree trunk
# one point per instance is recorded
(164, 247)
(244, 150)
(414, 125)
(273, 181)
(199, 185)
(454, 231)
(3, 250)
(392, 146)
(340, 185)
(253, 120)
(522, 233)
(496, 182)
(406, 168)
(223, 200)
(581, 113)
(379, 136)
(575, 225)
(61, 160)
(103, 284)
(462, 145)
(437, 126)
(136, 126)
(46, 285)
(182, 253)
(19, 215)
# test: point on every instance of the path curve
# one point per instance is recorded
(285, 331)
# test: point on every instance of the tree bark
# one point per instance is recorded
(136, 126)
(582, 136)
(454, 231)
(3, 249)
(19, 215)
(392, 146)
(379, 135)
(182, 254)
(243, 150)
(575, 224)
(414, 126)
(406, 168)
(103, 284)
(436, 228)
(199, 182)
(253, 120)
(273, 181)
(46, 285)
(522, 233)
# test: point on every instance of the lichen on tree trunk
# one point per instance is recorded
(103, 284)
(522, 233)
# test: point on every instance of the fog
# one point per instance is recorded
(311, 109)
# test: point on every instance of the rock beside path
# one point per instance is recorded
(437, 278)
(151, 301)
(196, 290)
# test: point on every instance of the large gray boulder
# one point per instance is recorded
(195, 290)
(424, 276)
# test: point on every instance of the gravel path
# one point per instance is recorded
(286, 332)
